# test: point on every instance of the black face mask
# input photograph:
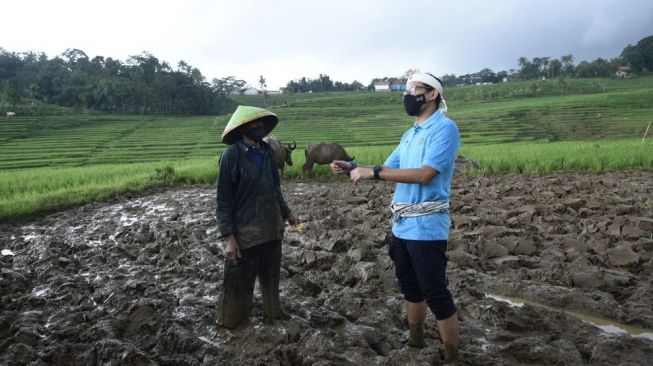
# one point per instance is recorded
(256, 133)
(413, 103)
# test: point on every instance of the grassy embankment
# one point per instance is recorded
(56, 161)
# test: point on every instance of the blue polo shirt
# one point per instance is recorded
(434, 143)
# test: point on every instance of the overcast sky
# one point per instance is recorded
(345, 39)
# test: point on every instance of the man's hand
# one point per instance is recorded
(340, 167)
(361, 173)
(293, 220)
(232, 251)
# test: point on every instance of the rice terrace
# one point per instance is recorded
(110, 254)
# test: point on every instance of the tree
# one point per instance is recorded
(640, 56)
(326, 84)
(183, 67)
(12, 92)
(528, 69)
(584, 70)
(264, 89)
(227, 85)
(646, 50)
(146, 64)
(544, 70)
(74, 56)
(357, 86)
(487, 76)
(448, 80)
(555, 67)
(142, 85)
(567, 64)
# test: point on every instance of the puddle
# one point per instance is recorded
(31, 236)
(606, 325)
(7, 252)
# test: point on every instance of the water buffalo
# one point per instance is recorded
(282, 153)
(323, 153)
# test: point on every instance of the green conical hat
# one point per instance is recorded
(246, 114)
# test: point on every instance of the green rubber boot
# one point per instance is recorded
(416, 339)
(269, 276)
(450, 353)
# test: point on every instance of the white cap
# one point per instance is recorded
(433, 82)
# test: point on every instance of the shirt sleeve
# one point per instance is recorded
(393, 160)
(442, 148)
(227, 184)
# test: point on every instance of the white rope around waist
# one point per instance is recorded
(401, 209)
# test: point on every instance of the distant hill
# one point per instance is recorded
(574, 109)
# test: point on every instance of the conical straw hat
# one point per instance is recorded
(246, 114)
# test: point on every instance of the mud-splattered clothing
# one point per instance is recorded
(250, 204)
(235, 302)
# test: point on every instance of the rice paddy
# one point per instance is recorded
(50, 161)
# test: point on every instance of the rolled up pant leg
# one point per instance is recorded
(429, 260)
(269, 266)
(420, 266)
(235, 301)
(406, 278)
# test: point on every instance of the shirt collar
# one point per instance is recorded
(429, 121)
(245, 146)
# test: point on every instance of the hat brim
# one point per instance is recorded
(233, 135)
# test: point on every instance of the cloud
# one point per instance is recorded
(347, 40)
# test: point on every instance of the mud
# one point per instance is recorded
(135, 281)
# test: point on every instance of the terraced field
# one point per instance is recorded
(486, 114)
(66, 159)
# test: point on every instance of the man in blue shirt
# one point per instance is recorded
(423, 167)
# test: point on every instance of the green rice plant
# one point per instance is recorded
(163, 175)
(26, 192)
(563, 156)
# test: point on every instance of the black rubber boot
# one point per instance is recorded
(416, 339)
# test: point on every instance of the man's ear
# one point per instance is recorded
(435, 95)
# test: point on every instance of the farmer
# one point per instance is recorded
(422, 166)
(250, 213)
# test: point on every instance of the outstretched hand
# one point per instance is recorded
(361, 173)
(340, 167)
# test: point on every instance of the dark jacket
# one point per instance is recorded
(250, 204)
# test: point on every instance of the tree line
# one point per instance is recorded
(637, 58)
(140, 85)
(144, 85)
(322, 84)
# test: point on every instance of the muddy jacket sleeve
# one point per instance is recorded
(227, 183)
(285, 210)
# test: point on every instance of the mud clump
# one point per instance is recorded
(135, 281)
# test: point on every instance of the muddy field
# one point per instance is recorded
(135, 281)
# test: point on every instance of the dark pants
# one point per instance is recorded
(235, 302)
(420, 267)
